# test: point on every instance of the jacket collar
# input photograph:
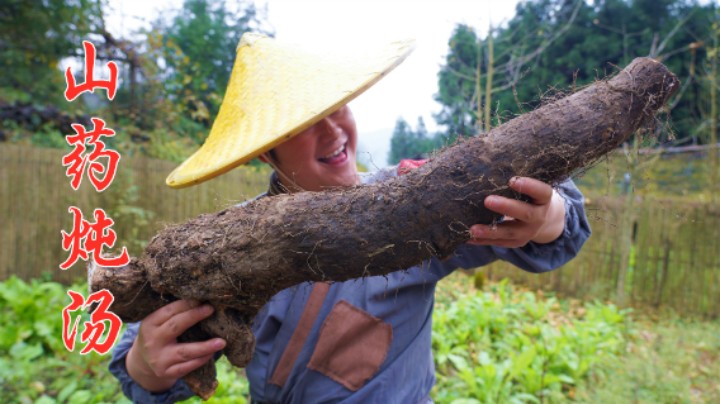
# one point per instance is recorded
(275, 188)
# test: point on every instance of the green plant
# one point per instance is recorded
(502, 345)
(498, 345)
(36, 367)
(34, 364)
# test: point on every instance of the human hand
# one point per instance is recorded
(542, 220)
(156, 360)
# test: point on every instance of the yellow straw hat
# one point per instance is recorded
(276, 91)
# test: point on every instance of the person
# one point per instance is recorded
(363, 340)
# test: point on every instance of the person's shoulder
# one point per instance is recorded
(378, 176)
(245, 202)
(404, 167)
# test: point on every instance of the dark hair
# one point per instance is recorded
(273, 155)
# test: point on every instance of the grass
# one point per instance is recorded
(667, 360)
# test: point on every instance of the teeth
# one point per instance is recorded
(335, 153)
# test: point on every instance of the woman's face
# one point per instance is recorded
(322, 156)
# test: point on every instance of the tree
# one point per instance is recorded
(457, 85)
(171, 83)
(400, 142)
(498, 64)
(35, 35)
(552, 46)
(712, 77)
(178, 75)
(407, 143)
(199, 51)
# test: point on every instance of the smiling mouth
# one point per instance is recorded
(337, 156)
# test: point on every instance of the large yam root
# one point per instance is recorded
(238, 258)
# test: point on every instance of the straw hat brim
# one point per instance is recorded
(277, 90)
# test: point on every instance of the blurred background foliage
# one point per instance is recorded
(553, 47)
(160, 102)
(550, 47)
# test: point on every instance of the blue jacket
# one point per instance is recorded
(364, 340)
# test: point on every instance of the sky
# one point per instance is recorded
(407, 91)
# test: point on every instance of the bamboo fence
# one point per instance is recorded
(674, 259)
(674, 247)
(35, 195)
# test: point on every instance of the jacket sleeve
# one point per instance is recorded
(180, 391)
(532, 257)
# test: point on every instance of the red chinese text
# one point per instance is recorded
(89, 238)
(95, 328)
(77, 160)
(74, 90)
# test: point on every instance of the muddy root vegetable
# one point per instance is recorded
(237, 259)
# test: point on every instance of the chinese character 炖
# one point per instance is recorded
(89, 238)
